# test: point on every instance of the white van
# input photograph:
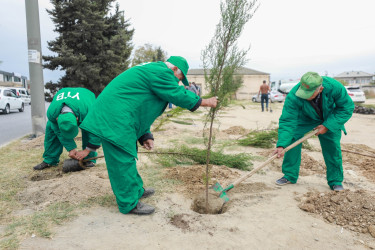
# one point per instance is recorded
(22, 92)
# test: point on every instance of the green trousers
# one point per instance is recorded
(126, 183)
(331, 149)
(53, 147)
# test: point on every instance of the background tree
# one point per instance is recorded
(148, 53)
(222, 58)
(93, 45)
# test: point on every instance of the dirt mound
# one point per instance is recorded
(236, 130)
(27, 144)
(192, 177)
(353, 210)
(309, 166)
(75, 187)
(365, 164)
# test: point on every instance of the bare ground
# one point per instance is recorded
(260, 214)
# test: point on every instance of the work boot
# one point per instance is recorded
(282, 181)
(42, 165)
(142, 209)
(89, 164)
(148, 192)
(337, 188)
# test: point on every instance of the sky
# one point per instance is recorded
(286, 38)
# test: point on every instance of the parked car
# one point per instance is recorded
(256, 98)
(22, 92)
(276, 96)
(356, 93)
(9, 101)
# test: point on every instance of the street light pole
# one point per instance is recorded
(38, 109)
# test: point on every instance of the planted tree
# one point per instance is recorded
(93, 45)
(222, 58)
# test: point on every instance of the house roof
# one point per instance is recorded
(241, 71)
(353, 74)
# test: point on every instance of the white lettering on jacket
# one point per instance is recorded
(61, 96)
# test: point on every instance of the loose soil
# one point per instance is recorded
(365, 164)
(49, 186)
(354, 210)
(260, 214)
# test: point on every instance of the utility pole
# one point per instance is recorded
(38, 109)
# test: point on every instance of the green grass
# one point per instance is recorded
(188, 155)
(260, 139)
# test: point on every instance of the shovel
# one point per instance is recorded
(223, 191)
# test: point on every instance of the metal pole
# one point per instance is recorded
(38, 109)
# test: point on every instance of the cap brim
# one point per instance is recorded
(304, 94)
(185, 81)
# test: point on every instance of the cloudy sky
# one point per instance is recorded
(287, 38)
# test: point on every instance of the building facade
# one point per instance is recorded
(8, 79)
(355, 77)
(252, 79)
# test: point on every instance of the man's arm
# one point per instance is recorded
(343, 110)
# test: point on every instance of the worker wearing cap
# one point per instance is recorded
(316, 102)
(124, 112)
(66, 112)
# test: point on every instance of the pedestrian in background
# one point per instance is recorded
(264, 90)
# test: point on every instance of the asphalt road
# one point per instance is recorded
(15, 125)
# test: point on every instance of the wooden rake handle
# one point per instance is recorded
(307, 136)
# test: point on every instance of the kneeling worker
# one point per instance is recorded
(68, 109)
(316, 102)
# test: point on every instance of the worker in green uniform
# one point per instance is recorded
(315, 102)
(123, 114)
(66, 112)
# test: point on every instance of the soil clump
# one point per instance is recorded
(353, 210)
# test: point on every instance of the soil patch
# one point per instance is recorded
(181, 221)
(236, 130)
(192, 177)
(365, 164)
(73, 187)
(309, 166)
(353, 210)
(27, 144)
(46, 175)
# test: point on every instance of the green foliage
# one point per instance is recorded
(187, 155)
(93, 45)
(260, 139)
(166, 117)
(343, 82)
(147, 53)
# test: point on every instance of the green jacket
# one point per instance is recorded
(131, 102)
(79, 100)
(337, 109)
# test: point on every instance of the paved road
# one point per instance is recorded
(15, 125)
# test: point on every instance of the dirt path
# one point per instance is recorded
(260, 215)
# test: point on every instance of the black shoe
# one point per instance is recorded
(42, 165)
(89, 164)
(337, 188)
(142, 209)
(148, 192)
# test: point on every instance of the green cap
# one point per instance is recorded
(309, 83)
(182, 64)
(68, 125)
